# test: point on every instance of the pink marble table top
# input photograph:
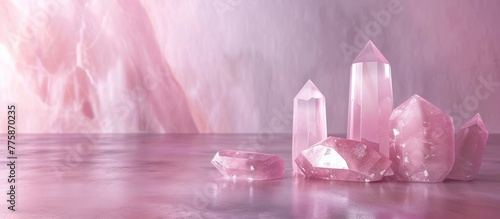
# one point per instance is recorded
(170, 176)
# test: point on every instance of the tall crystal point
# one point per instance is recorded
(309, 120)
(370, 99)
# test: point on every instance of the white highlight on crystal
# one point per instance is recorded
(330, 155)
(395, 131)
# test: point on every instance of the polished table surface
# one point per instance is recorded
(170, 176)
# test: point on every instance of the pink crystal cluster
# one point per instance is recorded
(415, 142)
(424, 148)
(364, 157)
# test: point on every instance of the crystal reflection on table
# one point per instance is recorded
(170, 176)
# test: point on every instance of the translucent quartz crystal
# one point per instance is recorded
(422, 142)
(470, 142)
(309, 120)
(248, 165)
(343, 159)
(370, 99)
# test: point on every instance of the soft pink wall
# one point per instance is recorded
(235, 65)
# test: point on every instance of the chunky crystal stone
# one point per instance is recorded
(422, 142)
(249, 165)
(309, 120)
(370, 99)
(343, 159)
(470, 142)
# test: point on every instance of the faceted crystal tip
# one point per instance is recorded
(418, 99)
(415, 99)
(309, 91)
(476, 120)
(370, 54)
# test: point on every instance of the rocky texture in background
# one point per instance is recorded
(234, 66)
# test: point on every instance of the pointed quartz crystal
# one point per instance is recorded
(469, 146)
(370, 100)
(309, 120)
(422, 142)
(248, 165)
(343, 159)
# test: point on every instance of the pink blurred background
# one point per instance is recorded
(234, 66)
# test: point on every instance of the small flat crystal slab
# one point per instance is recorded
(248, 165)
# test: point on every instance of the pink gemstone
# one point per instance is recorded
(370, 99)
(470, 142)
(309, 120)
(343, 159)
(248, 165)
(422, 141)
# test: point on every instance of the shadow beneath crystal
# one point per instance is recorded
(315, 198)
